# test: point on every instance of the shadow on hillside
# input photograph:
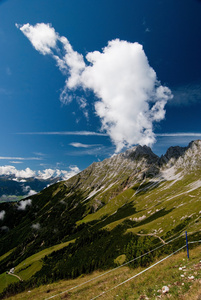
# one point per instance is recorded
(146, 187)
(126, 211)
(158, 214)
(123, 212)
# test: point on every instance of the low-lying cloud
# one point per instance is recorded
(36, 226)
(129, 97)
(23, 204)
(11, 170)
(22, 175)
(48, 173)
(2, 214)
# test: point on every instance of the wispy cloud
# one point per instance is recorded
(179, 134)
(19, 158)
(8, 71)
(84, 133)
(130, 97)
(4, 91)
(186, 94)
(39, 153)
(83, 105)
(98, 151)
(146, 28)
(80, 145)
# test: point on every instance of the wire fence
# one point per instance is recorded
(124, 264)
(138, 273)
(158, 262)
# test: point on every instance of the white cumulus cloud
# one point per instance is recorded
(48, 173)
(45, 40)
(130, 98)
(42, 36)
(21, 175)
(11, 170)
(68, 174)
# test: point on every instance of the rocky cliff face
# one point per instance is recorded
(121, 170)
(132, 166)
(182, 157)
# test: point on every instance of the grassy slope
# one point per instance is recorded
(153, 207)
(147, 285)
(5, 280)
(6, 254)
(29, 266)
(163, 208)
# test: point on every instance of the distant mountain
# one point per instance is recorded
(106, 213)
(15, 189)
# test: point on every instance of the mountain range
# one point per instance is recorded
(15, 189)
(107, 214)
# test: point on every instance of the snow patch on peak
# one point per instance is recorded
(170, 174)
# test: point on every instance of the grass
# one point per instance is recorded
(173, 197)
(5, 280)
(147, 285)
(110, 208)
(6, 254)
(158, 208)
(32, 264)
(27, 268)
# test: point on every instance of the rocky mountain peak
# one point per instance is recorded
(195, 145)
(182, 157)
(139, 152)
(174, 152)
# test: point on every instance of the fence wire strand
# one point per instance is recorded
(138, 273)
(124, 264)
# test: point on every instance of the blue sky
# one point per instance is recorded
(81, 80)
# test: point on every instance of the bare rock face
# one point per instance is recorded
(122, 171)
(191, 158)
(139, 152)
(175, 152)
(182, 157)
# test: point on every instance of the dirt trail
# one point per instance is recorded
(152, 234)
(15, 276)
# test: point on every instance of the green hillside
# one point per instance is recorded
(133, 200)
(182, 276)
